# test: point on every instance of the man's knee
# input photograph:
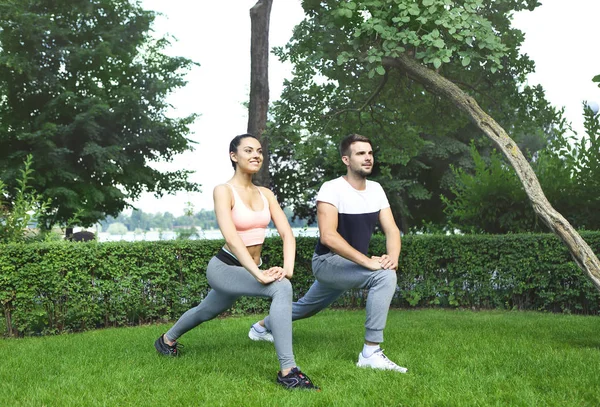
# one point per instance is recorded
(387, 278)
(301, 310)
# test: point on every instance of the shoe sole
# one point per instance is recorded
(299, 388)
(403, 369)
(255, 338)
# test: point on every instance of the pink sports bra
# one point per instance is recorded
(250, 225)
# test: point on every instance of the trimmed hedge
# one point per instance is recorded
(515, 271)
(48, 288)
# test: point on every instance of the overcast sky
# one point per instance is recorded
(559, 36)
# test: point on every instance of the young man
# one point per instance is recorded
(348, 209)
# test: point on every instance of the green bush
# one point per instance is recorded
(21, 207)
(515, 271)
(54, 287)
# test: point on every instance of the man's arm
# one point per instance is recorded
(393, 243)
(327, 218)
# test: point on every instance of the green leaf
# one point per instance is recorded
(428, 3)
(437, 63)
(466, 61)
(380, 70)
(414, 10)
(439, 43)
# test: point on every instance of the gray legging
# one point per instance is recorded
(228, 284)
(334, 275)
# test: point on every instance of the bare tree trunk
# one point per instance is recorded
(580, 250)
(8, 319)
(260, 15)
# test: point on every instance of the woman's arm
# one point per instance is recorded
(285, 231)
(223, 203)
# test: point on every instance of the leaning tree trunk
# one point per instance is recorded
(580, 250)
(260, 15)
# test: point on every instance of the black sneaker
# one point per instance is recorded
(166, 349)
(295, 379)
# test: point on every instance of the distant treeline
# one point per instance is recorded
(204, 219)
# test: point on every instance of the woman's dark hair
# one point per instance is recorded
(235, 143)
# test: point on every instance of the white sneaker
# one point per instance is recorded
(379, 361)
(260, 336)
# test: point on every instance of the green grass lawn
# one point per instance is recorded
(455, 358)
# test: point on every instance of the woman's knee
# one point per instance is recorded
(283, 287)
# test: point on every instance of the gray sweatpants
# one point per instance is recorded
(334, 275)
(228, 284)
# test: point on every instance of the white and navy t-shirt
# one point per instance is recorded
(358, 211)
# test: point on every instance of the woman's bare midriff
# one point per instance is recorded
(254, 251)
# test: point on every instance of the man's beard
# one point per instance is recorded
(361, 172)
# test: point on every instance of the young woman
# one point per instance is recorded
(243, 212)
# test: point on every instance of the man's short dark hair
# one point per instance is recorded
(347, 142)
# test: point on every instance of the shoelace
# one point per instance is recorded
(304, 377)
(175, 347)
(386, 359)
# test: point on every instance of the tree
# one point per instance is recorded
(117, 229)
(417, 41)
(139, 220)
(16, 216)
(82, 89)
(418, 134)
(260, 15)
(489, 200)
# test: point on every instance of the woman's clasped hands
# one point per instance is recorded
(271, 274)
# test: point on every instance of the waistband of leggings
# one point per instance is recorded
(227, 258)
